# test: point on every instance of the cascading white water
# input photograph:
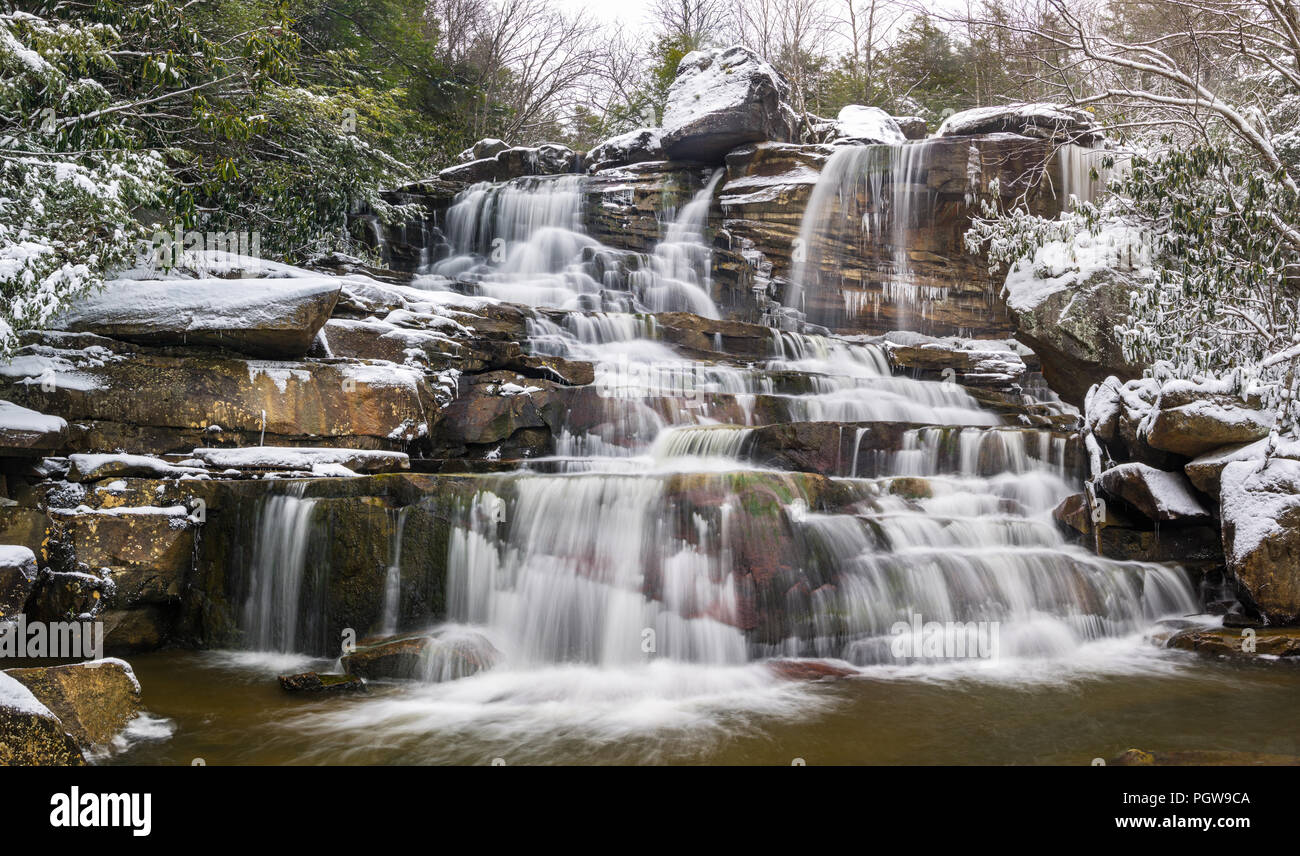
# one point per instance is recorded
(523, 241)
(283, 532)
(865, 196)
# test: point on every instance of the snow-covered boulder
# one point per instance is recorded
(1194, 418)
(1158, 495)
(90, 468)
(723, 98)
(17, 578)
(94, 700)
(30, 734)
(1066, 302)
(639, 146)
(24, 431)
(1260, 507)
(514, 162)
(274, 318)
(1206, 470)
(488, 147)
(857, 124)
(1056, 122)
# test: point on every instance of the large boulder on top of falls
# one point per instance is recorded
(723, 98)
(488, 147)
(1066, 302)
(1056, 122)
(858, 124)
(274, 318)
(514, 162)
(639, 146)
(1260, 508)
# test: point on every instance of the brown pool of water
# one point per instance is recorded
(237, 714)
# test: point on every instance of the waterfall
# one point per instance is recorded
(523, 241)
(277, 571)
(866, 196)
(393, 578)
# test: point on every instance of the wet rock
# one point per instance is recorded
(438, 656)
(1202, 758)
(1260, 507)
(808, 670)
(30, 734)
(312, 682)
(722, 98)
(1240, 643)
(1056, 122)
(26, 432)
(1158, 495)
(274, 318)
(623, 206)
(17, 578)
(94, 700)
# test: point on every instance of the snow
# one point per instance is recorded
(90, 463)
(1253, 498)
(1170, 492)
(332, 470)
(976, 120)
(13, 556)
(17, 419)
(1059, 265)
(16, 697)
(296, 457)
(128, 511)
(642, 144)
(197, 305)
(869, 125)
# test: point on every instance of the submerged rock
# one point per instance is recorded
(438, 656)
(313, 682)
(1239, 642)
(1202, 758)
(723, 98)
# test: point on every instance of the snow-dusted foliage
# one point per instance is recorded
(66, 200)
(1213, 193)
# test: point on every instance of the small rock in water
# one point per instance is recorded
(1201, 758)
(311, 682)
(808, 670)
